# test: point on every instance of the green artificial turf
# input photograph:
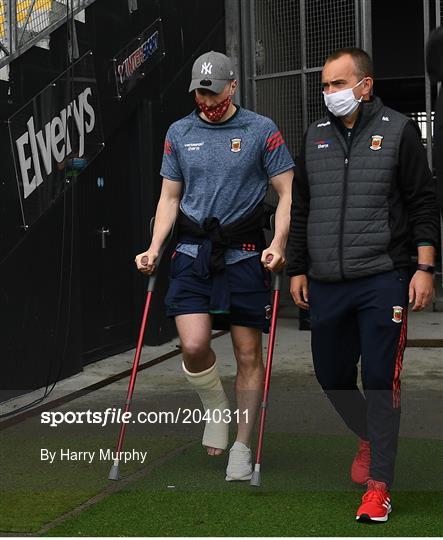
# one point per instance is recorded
(250, 514)
(33, 492)
(305, 492)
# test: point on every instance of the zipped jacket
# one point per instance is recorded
(360, 196)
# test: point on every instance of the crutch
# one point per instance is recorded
(256, 475)
(114, 472)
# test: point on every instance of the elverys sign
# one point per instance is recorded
(55, 136)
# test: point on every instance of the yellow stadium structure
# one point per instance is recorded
(23, 12)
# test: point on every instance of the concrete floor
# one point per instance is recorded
(298, 405)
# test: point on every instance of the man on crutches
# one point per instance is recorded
(216, 169)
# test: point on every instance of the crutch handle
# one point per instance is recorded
(277, 275)
(277, 281)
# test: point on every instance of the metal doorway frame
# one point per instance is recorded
(243, 46)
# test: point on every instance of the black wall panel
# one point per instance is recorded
(398, 53)
(59, 294)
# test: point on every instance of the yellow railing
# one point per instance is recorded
(2, 20)
(24, 5)
(22, 10)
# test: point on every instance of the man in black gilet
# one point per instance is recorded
(361, 194)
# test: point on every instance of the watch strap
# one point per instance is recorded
(426, 268)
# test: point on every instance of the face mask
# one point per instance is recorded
(342, 103)
(215, 113)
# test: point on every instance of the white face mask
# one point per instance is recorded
(342, 103)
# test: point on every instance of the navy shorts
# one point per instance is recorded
(249, 284)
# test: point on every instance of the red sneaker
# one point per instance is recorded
(376, 503)
(361, 463)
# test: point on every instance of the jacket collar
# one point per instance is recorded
(367, 111)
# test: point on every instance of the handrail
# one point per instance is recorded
(23, 23)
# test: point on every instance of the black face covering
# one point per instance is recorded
(434, 55)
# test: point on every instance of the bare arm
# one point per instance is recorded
(165, 215)
(283, 185)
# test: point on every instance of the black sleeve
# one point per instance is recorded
(438, 147)
(418, 187)
(297, 249)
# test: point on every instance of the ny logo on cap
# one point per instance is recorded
(206, 68)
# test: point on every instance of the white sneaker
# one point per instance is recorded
(240, 463)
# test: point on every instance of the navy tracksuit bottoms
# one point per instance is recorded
(363, 318)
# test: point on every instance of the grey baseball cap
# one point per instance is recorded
(211, 71)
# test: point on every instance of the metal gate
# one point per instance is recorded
(281, 49)
(429, 25)
(432, 20)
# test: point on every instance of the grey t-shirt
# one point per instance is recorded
(225, 168)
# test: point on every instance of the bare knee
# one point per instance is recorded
(194, 348)
(249, 359)
(197, 355)
(195, 337)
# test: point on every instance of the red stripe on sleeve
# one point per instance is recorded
(168, 148)
(273, 136)
(275, 145)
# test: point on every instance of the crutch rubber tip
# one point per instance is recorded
(114, 473)
(256, 479)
